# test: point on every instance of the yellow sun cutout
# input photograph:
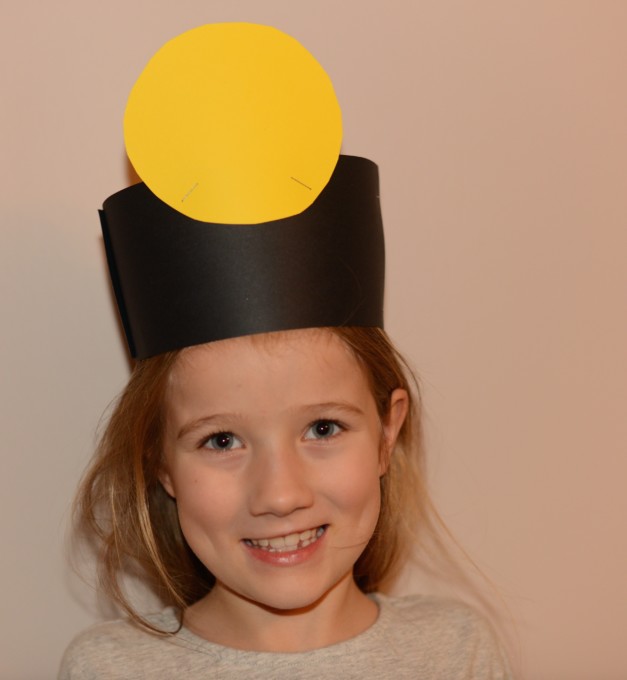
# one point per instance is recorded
(234, 123)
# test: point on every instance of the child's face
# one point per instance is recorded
(273, 451)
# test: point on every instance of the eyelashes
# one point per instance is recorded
(323, 429)
(221, 441)
(319, 430)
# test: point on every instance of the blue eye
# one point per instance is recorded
(323, 429)
(222, 441)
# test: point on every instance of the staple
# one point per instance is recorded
(189, 192)
(303, 183)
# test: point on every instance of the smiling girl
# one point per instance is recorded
(273, 450)
(263, 467)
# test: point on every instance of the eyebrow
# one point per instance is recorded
(200, 422)
(335, 405)
(341, 406)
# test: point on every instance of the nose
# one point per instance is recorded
(279, 483)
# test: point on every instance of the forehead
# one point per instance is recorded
(286, 362)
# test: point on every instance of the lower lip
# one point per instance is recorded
(289, 558)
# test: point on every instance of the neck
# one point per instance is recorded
(226, 618)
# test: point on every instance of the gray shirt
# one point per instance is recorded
(413, 637)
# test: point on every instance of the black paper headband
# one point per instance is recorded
(180, 282)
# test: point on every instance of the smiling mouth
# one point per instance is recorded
(289, 542)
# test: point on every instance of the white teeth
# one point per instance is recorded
(289, 542)
(292, 540)
(278, 542)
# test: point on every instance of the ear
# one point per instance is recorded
(166, 481)
(399, 405)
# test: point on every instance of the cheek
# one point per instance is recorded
(207, 505)
(357, 491)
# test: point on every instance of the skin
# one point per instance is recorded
(269, 436)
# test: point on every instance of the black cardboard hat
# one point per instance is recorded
(180, 281)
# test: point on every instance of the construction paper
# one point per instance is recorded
(181, 282)
(234, 123)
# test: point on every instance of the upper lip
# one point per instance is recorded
(288, 532)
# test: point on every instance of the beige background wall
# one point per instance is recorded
(500, 129)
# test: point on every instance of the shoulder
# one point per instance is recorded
(428, 609)
(107, 649)
(448, 633)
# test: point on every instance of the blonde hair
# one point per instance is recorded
(123, 504)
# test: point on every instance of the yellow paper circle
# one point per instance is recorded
(234, 123)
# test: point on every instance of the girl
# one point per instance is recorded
(262, 469)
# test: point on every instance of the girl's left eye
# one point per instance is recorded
(222, 441)
(323, 429)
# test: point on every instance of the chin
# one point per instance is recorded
(294, 595)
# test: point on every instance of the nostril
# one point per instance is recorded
(280, 486)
